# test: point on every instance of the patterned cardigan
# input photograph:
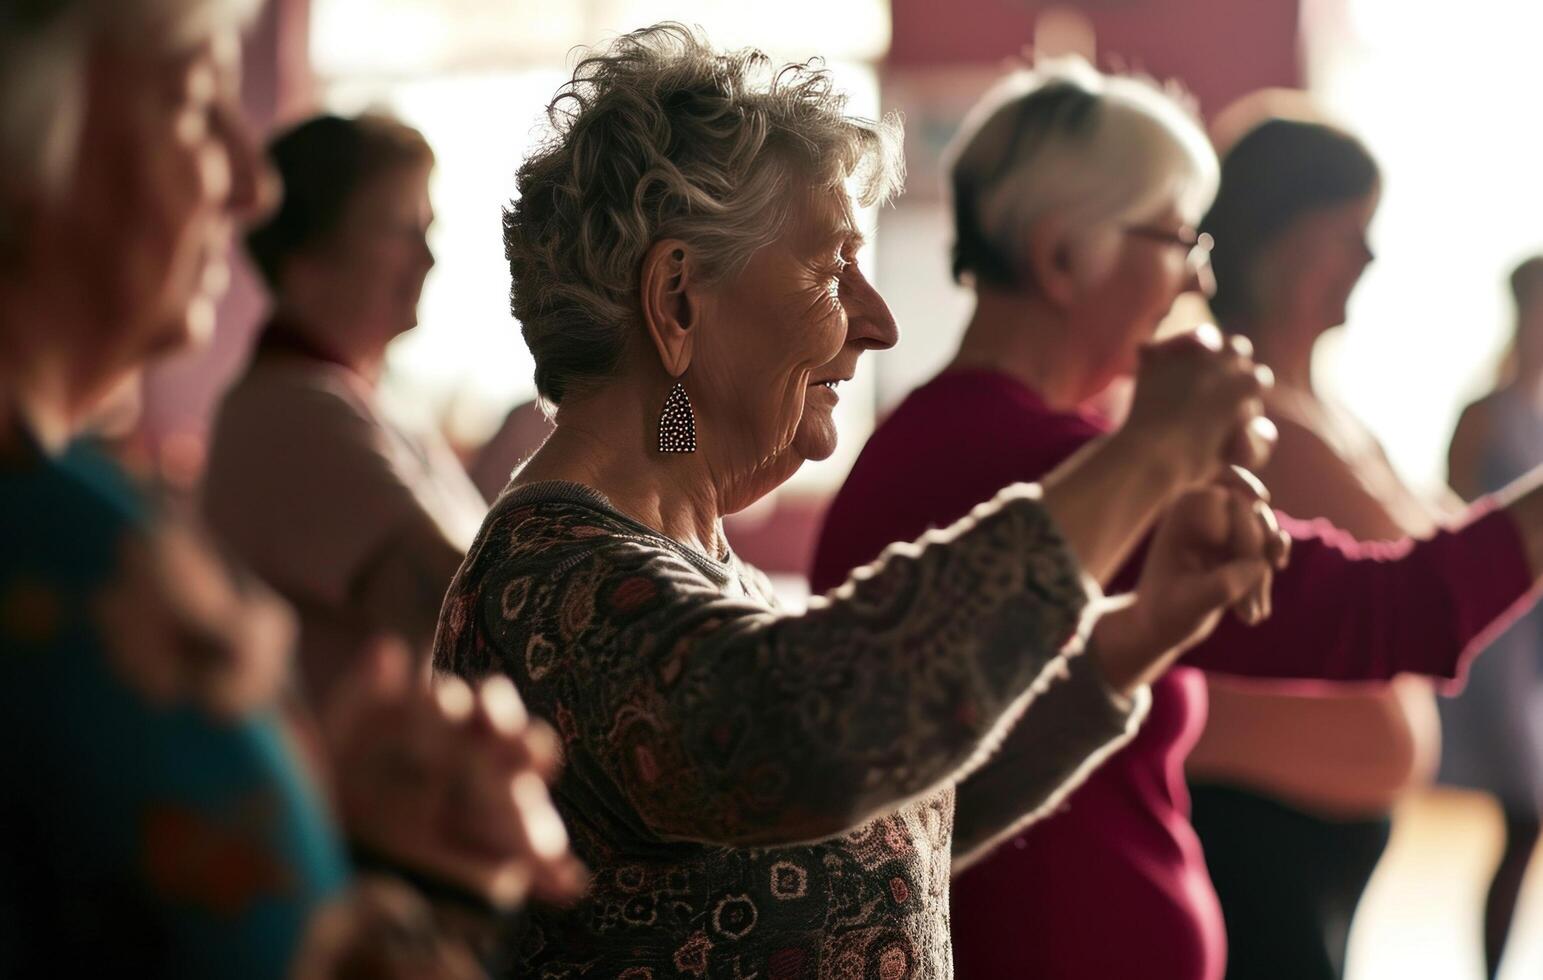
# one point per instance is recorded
(761, 794)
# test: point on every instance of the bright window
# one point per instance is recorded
(1443, 96)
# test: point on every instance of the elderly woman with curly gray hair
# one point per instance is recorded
(758, 791)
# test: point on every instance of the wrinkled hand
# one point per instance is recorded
(1199, 397)
(449, 782)
(1217, 548)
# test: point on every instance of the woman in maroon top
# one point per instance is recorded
(1291, 222)
(1076, 197)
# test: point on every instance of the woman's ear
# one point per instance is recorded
(1051, 259)
(670, 304)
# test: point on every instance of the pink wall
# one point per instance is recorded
(1220, 49)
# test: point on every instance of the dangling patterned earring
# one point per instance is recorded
(677, 423)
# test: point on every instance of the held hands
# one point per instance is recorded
(1199, 403)
(1217, 548)
(450, 783)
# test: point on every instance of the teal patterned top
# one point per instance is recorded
(137, 835)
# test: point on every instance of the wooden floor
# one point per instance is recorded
(1420, 919)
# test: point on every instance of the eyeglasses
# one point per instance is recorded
(1197, 246)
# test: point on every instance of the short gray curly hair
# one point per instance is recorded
(659, 136)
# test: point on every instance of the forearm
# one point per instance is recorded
(1105, 497)
(885, 689)
(1123, 650)
(1066, 733)
(1349, 610)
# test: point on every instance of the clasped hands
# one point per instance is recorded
(1218, 545)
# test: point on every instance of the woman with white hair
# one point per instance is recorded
(759, 792)
(160, 815)
(1076, 198)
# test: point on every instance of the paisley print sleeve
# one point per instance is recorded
(1073, 724)
(719, 720)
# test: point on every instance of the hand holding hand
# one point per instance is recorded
(1199, 402)
(1217, 548)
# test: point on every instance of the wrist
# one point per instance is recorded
(1119, 644)
(1162, 467)
(1105, 497)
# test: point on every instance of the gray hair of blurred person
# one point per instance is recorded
(44, 47)
(1063, 138)
(659, 136)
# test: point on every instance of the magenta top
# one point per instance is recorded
(1114, 884)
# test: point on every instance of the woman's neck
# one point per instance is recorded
(1288, 352)
(603, 439)
(1033, 343)
(47, 382)
(302, 331)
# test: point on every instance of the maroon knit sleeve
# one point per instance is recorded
(1352, 610)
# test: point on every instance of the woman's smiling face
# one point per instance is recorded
(782, 335)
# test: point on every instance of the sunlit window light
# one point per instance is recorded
(1442, 100)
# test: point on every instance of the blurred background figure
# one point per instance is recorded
(1315, 774)
(354, 518)
(1493, 732)
(1077, 196)
(163, 812)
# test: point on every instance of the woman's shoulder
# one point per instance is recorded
(553, 531)
(532, 519)
(58, 509)
(295, 391)
(555, 577)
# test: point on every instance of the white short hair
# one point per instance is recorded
(43, 50)
(1097, 149)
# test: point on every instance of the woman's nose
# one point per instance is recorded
(869, 320)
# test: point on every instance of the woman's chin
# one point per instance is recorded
(816, 436)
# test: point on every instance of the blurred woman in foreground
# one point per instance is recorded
(160, 814)
(1315, 773)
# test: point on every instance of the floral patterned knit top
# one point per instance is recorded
(759, 793)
